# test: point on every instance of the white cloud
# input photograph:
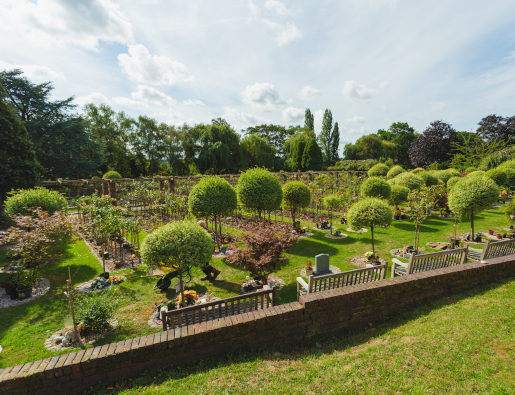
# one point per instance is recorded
(193, 102)
(80, 22)
(284, 33)
(94, 97)
(237, 116)
(262, 95)
(253, 8)
(125, 101)
(151, 95)
(292, 115)
(140, 66)
(510, 57)
(278, 7)
(353, 91)
(356, 119)
(35, 73)
(170, 117)
(438, 106)
(384, 84)
(308, 92)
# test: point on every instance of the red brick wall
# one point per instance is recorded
(313, 315)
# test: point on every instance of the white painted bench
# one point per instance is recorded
(493, 250)
(338, 280)
(430, 261)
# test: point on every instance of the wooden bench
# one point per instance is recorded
(218, 309)
(338, 280)
(430, 261)
(493, 250)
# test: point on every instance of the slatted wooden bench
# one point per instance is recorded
(494, 249)
(338, 280)
(430, 261)
(218, 309)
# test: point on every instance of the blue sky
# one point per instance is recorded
(372, 62)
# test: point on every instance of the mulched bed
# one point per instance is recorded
(110, 263)
(334, 237)
(333, 269)
(55, 345)
(41, 288)
(362, 230)
(278, 281)
(362, 261)
(85, 288)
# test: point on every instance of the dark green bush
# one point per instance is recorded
(296, 195)
(376, 187)
(50, 201)
(95, 311)
(356, 165)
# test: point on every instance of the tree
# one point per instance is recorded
(212, 197)
(275, 135)
(259, 190)
(177, 246)
(471, 148)
(219, 122)
(367, 213)
(309, 120)
(401, 135)
(496, 128)
(296, 195)
(18, 165)
(325, 135)
(398, 195)
(471, 195)
(376, 187)
(394, 172)
(298, 152)
(499, 177)
(378, 170)
(367, 147)
(335, 143)
(291, 143)
(312, 158)
(434, 145)
(408, 180)
(257, 152)
(148, 141)
(333, 202)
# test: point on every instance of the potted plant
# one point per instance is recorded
(24, 282)
(478, 237)
(499, 235)
(309, 268)
(490, 232)
(397, 214)
(8, 285)
(372, 257)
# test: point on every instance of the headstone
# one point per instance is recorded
(338, 233)
(164, 309)
(321, 264)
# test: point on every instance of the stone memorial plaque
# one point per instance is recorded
(321, 265)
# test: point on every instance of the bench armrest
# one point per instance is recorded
(397, 262)
(302, 283)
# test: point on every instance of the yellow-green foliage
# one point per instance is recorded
(409, 180)
(259, 190)
(212, 197)
(296, 194)
(378, 170)
(50, 201)
(111, 175)
(394, 172)
(417, 170)
(369, 212)
(376, 187)
(473, 194)
(499, 176)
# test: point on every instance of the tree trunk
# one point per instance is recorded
(182, 288)
(372, 235)
(331, 223)
(472, 225)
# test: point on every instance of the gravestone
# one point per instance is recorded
(321, 264)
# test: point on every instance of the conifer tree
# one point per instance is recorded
(325, 135)
(309, 120)
(335, 142)
(312, 158)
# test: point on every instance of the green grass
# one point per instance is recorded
(24, 328)
(462, 344)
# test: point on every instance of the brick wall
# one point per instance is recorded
(313, 315)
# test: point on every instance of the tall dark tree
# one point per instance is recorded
(220, 149)
(312, 158)
(402, 135)
(325, 134)
(309, 120)
(335, 143)
(148, 143)
(434, 145)
(219, 122)
(298, 153)
(494, 127)
(257, 152)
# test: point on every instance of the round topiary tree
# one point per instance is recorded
(49, 201)
(367, 213)
(508, 163)
(445, 175)
(259, 190)
(379, 170)
(213, 197)
(399, 195)
(429, 179)
(472, 195)
(453, 173)
(509, 212)
(417, 170)
(476, 173)
(394, 172)
(452, 181)
(111, 175)
(409, 180)
(177, 246)
(470, 169)
(510, 175)
(376, 187)
(296, 195)
(333, 202)
(499, 176)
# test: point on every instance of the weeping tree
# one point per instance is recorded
(213, 197)
(471, 195)
(367, 213)
(296, 195)
(177, 246)
(259, 190)
(333, 202)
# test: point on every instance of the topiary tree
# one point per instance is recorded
(312, 158)
(296, 195)
(409, 180)
(445, 175)
(508, 163)
(417, 170)
(509, 212)
(376, 187)
(472, 195)
(510, 175)
(470, 169)
(259, 190)
(428, 178)
(399, 195)
(367, 213)
(394, 172)
(177, 246)
(499, 176)
(452, 181)
(332, 202)
(452, 172)
(111, 174)
(213, 197)
(379, 170)
(49, 201)
(476, 173)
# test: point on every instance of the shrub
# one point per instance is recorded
(378, 170)
(259, 190)
(49, 201)
(367, 213)
(499, 176)
(332, 202)
(509, 212)
(111, 175)
(476, 173)
(394, 172)
(429, 179)
(452, 181)
(510, 175)
(399, 195)
(453, 173)
(356, 165)
(409, 180)
(472, 195)
(376, 187)
(94, 312)
(296, 195)
(470, 169)
(507, 164)
(417, 170)
(445, 175)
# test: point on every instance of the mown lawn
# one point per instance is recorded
(24, 328)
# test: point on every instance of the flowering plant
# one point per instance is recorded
(116, 279)
(189, 296)
(370, 254)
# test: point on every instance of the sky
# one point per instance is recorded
(371, 62)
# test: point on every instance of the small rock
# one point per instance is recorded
(58, 339)
(318, 345)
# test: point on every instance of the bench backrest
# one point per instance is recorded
(218, 309)
(498, 248)
(350, 277)
(437, 260)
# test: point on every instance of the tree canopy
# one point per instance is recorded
(434, 145)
